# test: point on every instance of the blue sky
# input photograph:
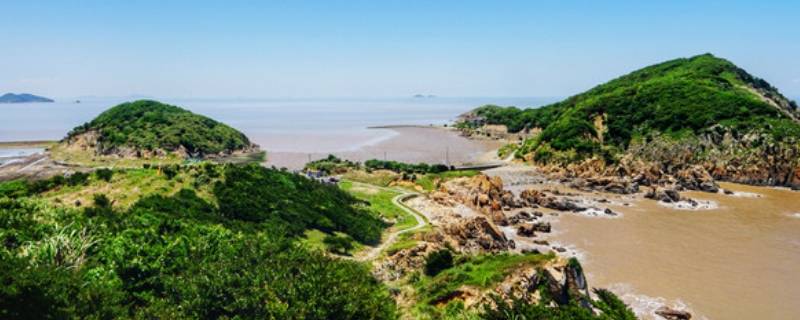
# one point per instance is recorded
(377, 48)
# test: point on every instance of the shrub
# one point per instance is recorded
(78, 178)
(338, 244)
(104, 174)
(438, 261)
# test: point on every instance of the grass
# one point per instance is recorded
(89, 159)
(476, 271)
(313, 239)
(126, 187)
(380, 202)
(428, 182)
(378, 177)
(406, 240)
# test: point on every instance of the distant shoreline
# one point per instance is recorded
(27, 144)
(400, 126)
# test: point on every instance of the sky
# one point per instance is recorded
(298, 49)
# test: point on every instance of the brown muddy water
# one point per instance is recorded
(740, 260)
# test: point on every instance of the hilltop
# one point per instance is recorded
(702, 110)
(22, 98)
(146, 129)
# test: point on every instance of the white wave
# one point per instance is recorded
(688, 205)
(644, 306)
(795, 215)
(744, 194)
(598, 213)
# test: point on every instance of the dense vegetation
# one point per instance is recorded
(253, 193)
(151, 125)
(679, 98)
(610, 306)
(182, 255)
(406, 168)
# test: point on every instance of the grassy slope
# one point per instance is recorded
(678, 96)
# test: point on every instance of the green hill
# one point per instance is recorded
(206, 241)
(679, 99)
(146, 127)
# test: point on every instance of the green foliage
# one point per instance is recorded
(479, 271)
(172, 257)
(150, 125)
(332, 165)
(339, 244)
(610, 306)
(438, 261)
(680, 95)
(77, 179)
(507, 150)
(13, 189)
(104, 174)
(406, 168)
(257, 194)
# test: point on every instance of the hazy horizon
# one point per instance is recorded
(387, 49)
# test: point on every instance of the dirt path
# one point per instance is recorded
(397, 201)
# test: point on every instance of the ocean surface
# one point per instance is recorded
(278, 125)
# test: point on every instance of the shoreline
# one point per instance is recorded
(27, 144)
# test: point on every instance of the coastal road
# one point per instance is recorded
(392, 238)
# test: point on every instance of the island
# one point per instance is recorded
(23, 98)
(144, 130)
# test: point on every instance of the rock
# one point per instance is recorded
(476, 234)
(576, 287)
(672, 314)
(609, 212)
(541, 242)
(560, 249)
(667, 195)
(542, 227)
(526, 230)
(530, 251)
(726, 191)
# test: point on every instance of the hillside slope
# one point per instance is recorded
(148, 128)
(700, 110)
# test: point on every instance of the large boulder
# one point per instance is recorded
(672, 314)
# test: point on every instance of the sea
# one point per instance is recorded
(290, 129)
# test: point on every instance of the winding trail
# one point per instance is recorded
(397, 201)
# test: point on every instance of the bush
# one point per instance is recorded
(104, 174)
(78, 178)
(338, 244)
(438, 261)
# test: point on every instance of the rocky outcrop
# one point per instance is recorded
(404, 261)
(662, 194)
(475, 235)
(672, 314)
(535, 198)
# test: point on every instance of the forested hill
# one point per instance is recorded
(678, 98)
(147, 125)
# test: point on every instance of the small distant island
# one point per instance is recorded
(424, 96)
(23, 98)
